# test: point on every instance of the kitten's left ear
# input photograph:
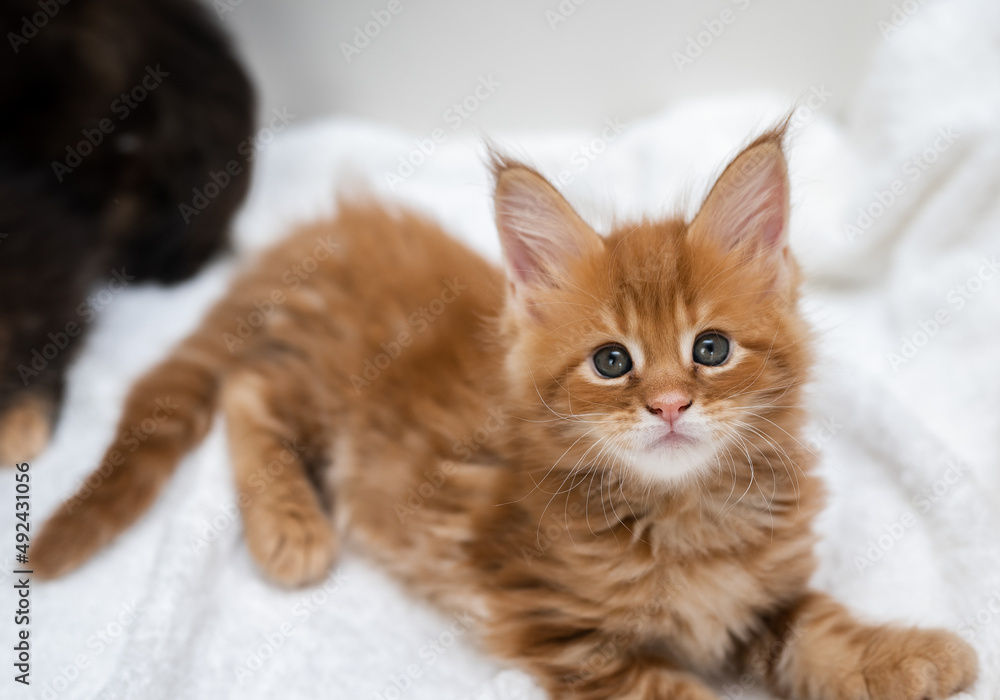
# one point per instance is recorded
(747, 208)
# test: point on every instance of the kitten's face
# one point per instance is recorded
(662, 354)
(666, 348)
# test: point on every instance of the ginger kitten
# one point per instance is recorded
(594, 452)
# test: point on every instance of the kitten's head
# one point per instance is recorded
(662, 344)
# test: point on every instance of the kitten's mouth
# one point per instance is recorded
(673, 439)
(668, 455)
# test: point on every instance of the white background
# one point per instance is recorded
(606, 59)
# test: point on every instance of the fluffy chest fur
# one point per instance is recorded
(688, 573)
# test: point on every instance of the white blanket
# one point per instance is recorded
(907, 395)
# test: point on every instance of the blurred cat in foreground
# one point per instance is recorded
(116, 111)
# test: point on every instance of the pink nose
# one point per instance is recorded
(670, 406)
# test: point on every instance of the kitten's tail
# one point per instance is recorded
(167, 413)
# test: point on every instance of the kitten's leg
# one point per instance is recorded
(816, 650)
(274, 437)
(573, 662)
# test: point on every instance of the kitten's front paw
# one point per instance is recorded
(25, 428)
(917, 664)
(293, 548)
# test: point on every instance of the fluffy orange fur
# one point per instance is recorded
(615, 536)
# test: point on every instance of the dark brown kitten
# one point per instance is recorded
(114, 112)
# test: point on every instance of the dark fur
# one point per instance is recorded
(118, 210)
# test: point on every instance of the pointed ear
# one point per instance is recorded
(540, 233)
(747, 208)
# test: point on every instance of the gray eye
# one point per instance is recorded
(612, 361)
(711, 349)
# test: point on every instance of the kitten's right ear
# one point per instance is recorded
(540, 233)
(748, 206)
